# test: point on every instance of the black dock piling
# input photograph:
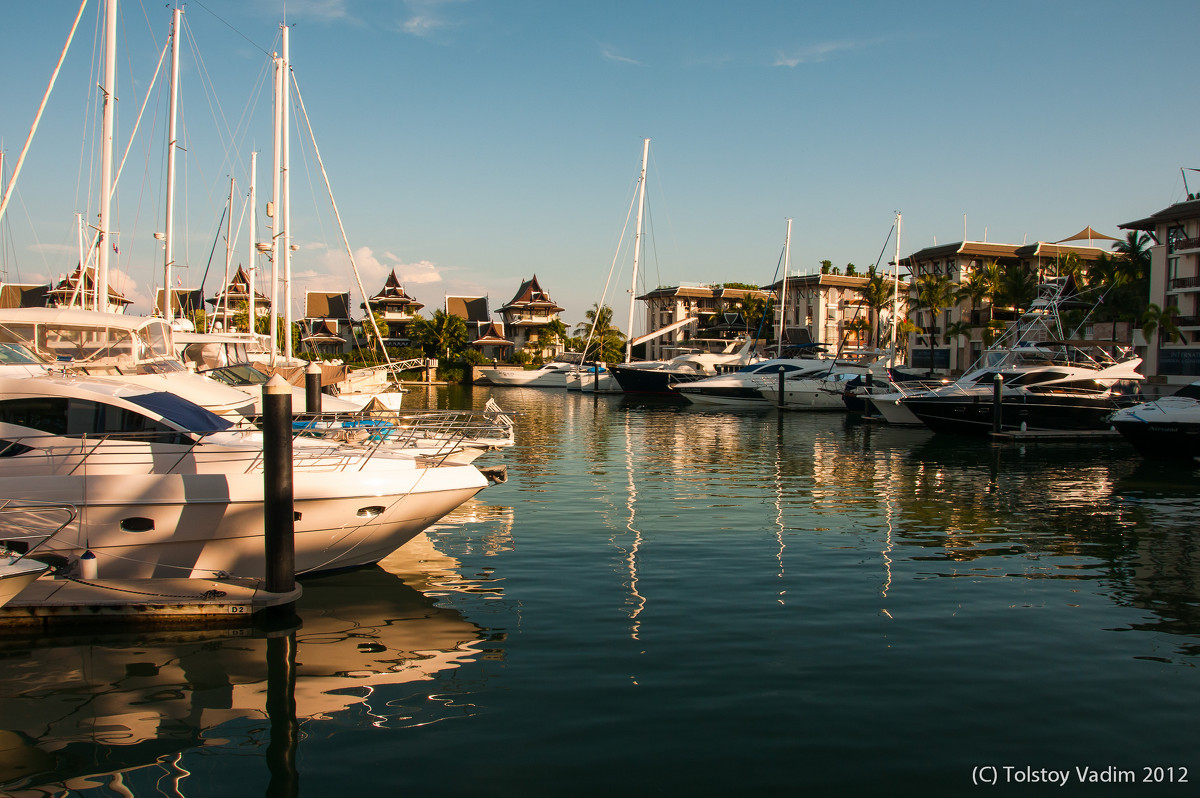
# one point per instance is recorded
(279, 525)
(312, 389)
(997, 403)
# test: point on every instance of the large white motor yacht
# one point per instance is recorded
(166, 488)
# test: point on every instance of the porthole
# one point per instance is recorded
(370, 512)
(137, 524)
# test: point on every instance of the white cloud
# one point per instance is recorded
(815, 53)
(325, 10)
(426, 17)
(609, 53)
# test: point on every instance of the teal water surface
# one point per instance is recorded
(664, 600)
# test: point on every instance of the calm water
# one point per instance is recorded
(668, 601)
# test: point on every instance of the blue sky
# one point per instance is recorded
(473, 143)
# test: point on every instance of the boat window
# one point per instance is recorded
(1191, 391)
(156, 339)
(60, 415)
(11, 354)
(1034, 377)
(180, 411)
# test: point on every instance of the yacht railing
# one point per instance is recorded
(328, 442)
(26, 525)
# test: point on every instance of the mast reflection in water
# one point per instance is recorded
(669, 600)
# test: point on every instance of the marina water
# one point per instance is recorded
(664, 600)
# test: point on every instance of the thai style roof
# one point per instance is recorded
(323, 331)
(65, 289)
(238, 290)
(492, 335)
(393, 293)
(531, 295)
(469, 308)
(326, 305)
(18, 295)
(183, 300)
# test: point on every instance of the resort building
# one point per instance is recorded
(525, 317)
(492, 344)
(474, 311)
(1174, 283)
(234, 300)
(185, 303)
(396, 308)
(829, 310)
(70, 291)
(24, 295)
(326, 328)
(964, 329)
(716, 311)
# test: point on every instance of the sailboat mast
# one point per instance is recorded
(273, 210)
(896, 296)
(252, 233)
(172, 139)
(787, 260)
(637, 244)
(106, 155)
(286, 181)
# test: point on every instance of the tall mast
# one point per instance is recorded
(253, 246)
(896, 295)
(637, 244)
(106, 155)
(787, 259)
(169, 230)
(273, 209)
(286, 181)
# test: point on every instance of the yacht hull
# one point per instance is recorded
(197, 524)
(974, 414)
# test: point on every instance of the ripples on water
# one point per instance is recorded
(663, 600)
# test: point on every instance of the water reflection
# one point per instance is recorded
(118, 713)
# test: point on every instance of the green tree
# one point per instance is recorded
(877, 294)
(444, 335)
(1162, 321)
(1017, 287)
(935, 293)
(979, 286)
(604, 341)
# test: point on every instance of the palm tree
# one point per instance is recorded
(606, 341)
(935, 293)
(1134, 249)
(1161, 320)
(444, 335)
(978, 286)
(877, 294)
(1017, 288)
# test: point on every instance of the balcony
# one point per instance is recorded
(1187, 321)
(1183, 283)
(1184, 244)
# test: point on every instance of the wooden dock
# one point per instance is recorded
(155, 602)
(1057, 435)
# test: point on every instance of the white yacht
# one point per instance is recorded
(823, 390)
(741, 388)
(166, 488)
(134, 349)
(551, 375)
(1166, 428)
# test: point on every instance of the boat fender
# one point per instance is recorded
(89, 566)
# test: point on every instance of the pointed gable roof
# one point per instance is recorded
(492, 336)
(393, 293)
(65, 290)
(326, 305)
(530, 294)
(238, 290)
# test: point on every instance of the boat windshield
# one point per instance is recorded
(188, 415)
(243, 374)
(16, 354)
